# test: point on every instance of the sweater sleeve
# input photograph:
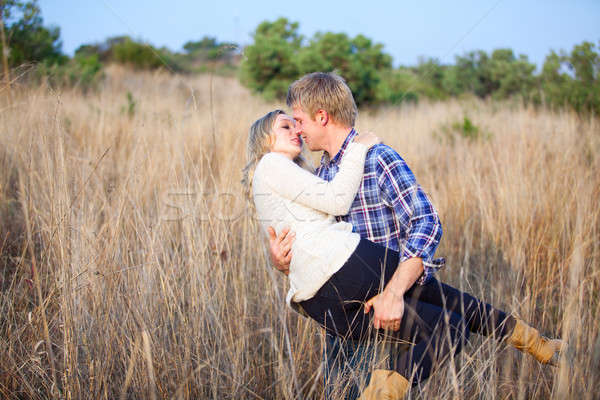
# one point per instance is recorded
(295, 183)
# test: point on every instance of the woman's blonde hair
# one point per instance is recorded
(260, 139)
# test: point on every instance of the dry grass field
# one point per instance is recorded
(130, 266)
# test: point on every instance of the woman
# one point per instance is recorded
(333, 271)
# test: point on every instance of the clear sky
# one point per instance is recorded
(408, 29)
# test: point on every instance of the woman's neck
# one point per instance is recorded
(286, 155)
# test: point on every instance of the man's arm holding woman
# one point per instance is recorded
(414, 212)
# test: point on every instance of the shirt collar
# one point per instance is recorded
(338, 157)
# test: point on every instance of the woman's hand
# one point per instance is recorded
(388, 309)
(368, 139)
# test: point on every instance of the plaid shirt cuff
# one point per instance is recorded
(430, 265)
(430, 268)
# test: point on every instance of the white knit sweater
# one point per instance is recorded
(286, 195)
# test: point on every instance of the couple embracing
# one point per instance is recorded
(356, 239)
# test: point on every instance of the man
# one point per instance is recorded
(390, 207)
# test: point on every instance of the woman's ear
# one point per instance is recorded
(322, 117)
(270, 141)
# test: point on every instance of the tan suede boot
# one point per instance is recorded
(528, 340)
(385, 385)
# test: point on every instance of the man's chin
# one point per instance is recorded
(312, 148)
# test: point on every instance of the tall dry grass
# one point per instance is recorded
(131, 268)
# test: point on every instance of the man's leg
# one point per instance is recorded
(486, 320)
(338, 307)
(427, 336)
(347, 364)
(481, 318)
(439, 336)
(436, 337)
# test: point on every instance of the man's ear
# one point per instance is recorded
(322, 117)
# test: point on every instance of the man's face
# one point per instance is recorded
(311, 131)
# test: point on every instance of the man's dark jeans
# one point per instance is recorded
(434, 319)
(427, 333)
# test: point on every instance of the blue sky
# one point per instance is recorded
(408, 29)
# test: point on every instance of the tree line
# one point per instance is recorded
(279, 54)
(31, 44)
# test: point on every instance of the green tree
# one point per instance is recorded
(88, 50)
(431, 74)
(584, 63)
(278, 56)
(206, 43)
(27, 39)
(358, 60)
(207, 54)
(573, 78)
(269, 63)
(554, 80)
(208, 48)
(398, 86)
(468, 75)
(509, 75)
(500, 75)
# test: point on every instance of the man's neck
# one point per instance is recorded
(336, 135)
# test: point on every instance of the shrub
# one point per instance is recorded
(137, 54)
(397, 86)
(464, 129)
(84, 72)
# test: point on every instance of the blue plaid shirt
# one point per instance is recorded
(390, 207)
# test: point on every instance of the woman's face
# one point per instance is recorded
(285, 137)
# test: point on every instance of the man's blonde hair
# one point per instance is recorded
(327, 91)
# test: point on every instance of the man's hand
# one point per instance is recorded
(388, 308)
(389, 304)
(281, 249)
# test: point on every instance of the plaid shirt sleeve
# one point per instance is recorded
(413, 211)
